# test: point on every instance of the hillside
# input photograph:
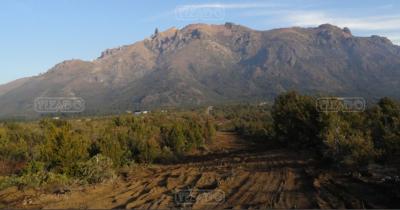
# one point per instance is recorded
(206, 64)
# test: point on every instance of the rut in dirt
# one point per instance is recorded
(235, 173)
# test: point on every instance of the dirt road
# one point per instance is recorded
(235, 174)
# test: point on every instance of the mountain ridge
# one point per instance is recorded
(205, 64)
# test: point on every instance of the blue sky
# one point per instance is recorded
(37, 34)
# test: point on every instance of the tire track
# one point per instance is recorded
(247, 177)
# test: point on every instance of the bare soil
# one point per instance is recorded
(232, 174)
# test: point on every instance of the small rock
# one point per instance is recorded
(27, 201)
(61, 190)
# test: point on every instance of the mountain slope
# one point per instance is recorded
(201, 64)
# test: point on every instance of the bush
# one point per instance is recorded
(167, 155)
(109, 146)
(344, 144)
(62, 147)
(384, 123)
(71, 147)
(296, 120)
(38, 179)
(176, 139)
(344, 138)
(97, 169)
(13, 145)
(252, 122)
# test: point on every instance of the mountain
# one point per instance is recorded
(206, 64)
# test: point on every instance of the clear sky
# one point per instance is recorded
(37, 34)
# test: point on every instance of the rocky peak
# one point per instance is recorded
(109, 52)
(328, 26)
(174, 38)
(381, 39)
(347, 31)
(332, 33)
(169, 33)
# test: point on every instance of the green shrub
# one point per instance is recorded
(38, 179)
(384, 123)
(109, 146)
(344, 144)
(53, 150)
(296, 120)
(167, 155)
(13, 145)
(34, 167)
(97, 169)
(176, 138)
(62, 147)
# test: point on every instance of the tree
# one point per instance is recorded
(13, 146)
(62, 148)
(109, 146)
(176, 138)
(384, 123)
(296, 120)
(345, 144)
